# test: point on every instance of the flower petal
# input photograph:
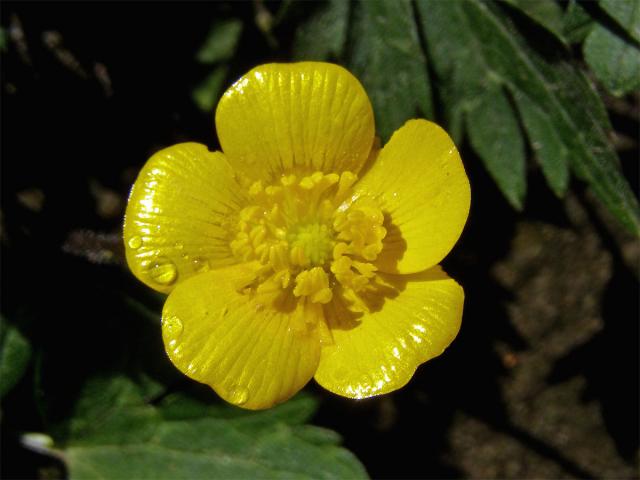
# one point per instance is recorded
(249, 352)
(299, 118)
(379, 352)
(176, 220)
(422, 187)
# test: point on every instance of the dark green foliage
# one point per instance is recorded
(116, 434)
(322, 36)
(474, 45)
(389, 62)
(219, 47)
(506, 91)
(614, 55)
(547, 13)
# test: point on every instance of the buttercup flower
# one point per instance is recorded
(302, 249)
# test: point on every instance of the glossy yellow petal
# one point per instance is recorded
(422, 187)
(176, 224)
(295, 118)
(250, 353)
(379, 352)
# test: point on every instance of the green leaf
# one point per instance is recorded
(206, 94)
(546, 13)
(220, 45)
(15, 353)
(626, 13)
(322, 36)
(546, 144)
(388, 59)
(114, 434)
(473, 42)
(614, 60)
(183, 407)
(221, 42)
(494, 133)
(109, 410)
(577, 23)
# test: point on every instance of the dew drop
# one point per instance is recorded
(179, 245)
(173, 327)
(238, 395)
(200, 265)
(192, 369)
(135, 242)
(163, 271)
(177, 352)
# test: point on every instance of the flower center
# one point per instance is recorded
(313, 242)
(310, 236)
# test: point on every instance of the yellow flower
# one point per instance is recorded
(302, 249)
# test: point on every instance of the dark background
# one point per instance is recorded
(541, 382)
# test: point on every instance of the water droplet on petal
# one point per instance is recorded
(135, 242)
(179, 245)
(163, 271)
(238, 395)
(192, 369)
(172, 327)
(177, 352)
(200, 265)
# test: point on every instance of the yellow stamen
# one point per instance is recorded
(314, 230)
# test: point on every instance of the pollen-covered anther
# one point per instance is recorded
(314, 284)
(360, 233)
(361, 227)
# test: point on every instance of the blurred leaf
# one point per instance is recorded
(473, 44)
(109, 410)
(220, 45)
(547, 146)
(285, 11)
(15, 353)
(388, 59)
(626, 13)
(577, 22)
(494, 133)
(323, 34)
(208, 92)
(4, 39)
(546, 13)
(221, 42)
(614, 60)
(114, 434)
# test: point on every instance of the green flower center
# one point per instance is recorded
(315, 241)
